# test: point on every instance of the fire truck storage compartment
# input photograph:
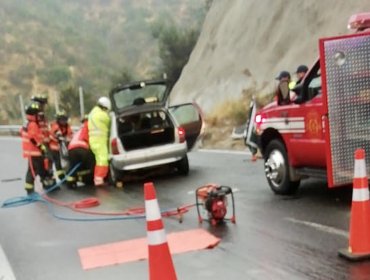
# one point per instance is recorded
(143, 130)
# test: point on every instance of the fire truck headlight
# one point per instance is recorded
(258, 119)
(340, 58)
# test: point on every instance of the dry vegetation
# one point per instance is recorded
(226, 116)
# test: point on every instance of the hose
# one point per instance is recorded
(79, 206)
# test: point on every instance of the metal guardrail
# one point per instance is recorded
(10, 129)
(14, 129)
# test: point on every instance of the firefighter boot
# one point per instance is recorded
(30, 189)
(71, 182)
(49, 184)
(61, 175)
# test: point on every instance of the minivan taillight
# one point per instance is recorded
(114, 146)
(181, 132)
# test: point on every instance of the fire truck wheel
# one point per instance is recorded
(277, 169)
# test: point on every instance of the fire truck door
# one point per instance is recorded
(308, 145)
(346, 93)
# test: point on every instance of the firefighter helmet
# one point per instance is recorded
(32, 109)
(42, 99)
(105, 102)
(61, 117)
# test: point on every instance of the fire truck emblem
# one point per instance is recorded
(313, 124)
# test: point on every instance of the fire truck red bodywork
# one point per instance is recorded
(316, 134)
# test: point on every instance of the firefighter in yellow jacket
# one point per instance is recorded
(99, 129)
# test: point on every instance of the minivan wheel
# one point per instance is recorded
(183, 166)
(277, 169)
(115, 176)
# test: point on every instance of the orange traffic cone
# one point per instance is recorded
(359, 235)
(160, 260)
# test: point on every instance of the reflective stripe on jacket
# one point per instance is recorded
(80, 139)
(32, 137)
(64, 131)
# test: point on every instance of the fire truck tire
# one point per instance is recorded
(277, 169)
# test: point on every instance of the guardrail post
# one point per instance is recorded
(82, 106)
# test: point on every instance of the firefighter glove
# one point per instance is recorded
(43, 148)
(45, 151)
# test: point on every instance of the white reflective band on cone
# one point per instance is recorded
(360, 168)
(152, 210)
(360, 195)
(156, 237)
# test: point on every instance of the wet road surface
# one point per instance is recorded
(275, 237)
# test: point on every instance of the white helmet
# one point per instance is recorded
(105, 102)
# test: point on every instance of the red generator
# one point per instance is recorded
(213, 199)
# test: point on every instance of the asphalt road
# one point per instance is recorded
(274, 237)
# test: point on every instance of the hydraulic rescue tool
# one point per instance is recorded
(213, 199)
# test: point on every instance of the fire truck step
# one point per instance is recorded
(312, 172)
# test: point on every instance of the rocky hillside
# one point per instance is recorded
(244, 44)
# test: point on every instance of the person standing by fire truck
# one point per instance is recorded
(284, 79)
(300, 73)
(60, 134)
(99, 127)
(34, 149)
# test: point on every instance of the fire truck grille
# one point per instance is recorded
(348, 94)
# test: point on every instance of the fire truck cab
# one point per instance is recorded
(317, 133)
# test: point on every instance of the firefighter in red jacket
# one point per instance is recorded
(34, 150)
(42, 100)
(60, 134)
(79, 153)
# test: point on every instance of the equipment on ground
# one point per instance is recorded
(213, 199)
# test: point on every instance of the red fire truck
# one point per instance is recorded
(316, 134)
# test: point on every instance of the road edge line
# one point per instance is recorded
(6, 271)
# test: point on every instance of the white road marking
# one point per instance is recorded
(6, 272)
(245, 152)
(320, 227)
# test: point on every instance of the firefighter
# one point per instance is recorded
(34, 149)
(79, 153)
(99, 127)
(60, 134)
(42, 100)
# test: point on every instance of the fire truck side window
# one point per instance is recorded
(314, 87)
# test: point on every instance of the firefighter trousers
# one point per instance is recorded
(58, 164)
(85, 172)
(36, 167)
